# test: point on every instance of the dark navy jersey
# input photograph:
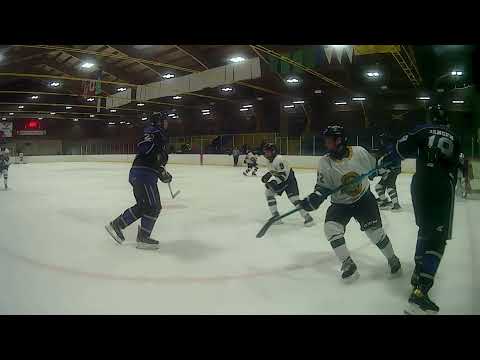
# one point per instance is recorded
(436, 149)
(152, 155)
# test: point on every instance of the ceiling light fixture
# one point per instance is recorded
(168, 76)
(247, 106)
(91, 99)
(87, 65)
(176, 97)
(68, 107)
(359, 99)
(299, 102)
(244, 109)
(122, 89)
(227, 89)
(144, 118)
(54, 84)
(75, 119)
(34, 97)
(340, 103)
(237, 59)
(458, 101)
(288, 106)
(292, 80)
(113, 110)
(91, 115)
(53, 113)
(423, 98)
(111, 123)
(21, 106)
(140, 104)
(11, 114)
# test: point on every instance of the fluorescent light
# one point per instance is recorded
(384, 87)
(358, 99)
(338, 46)
(111, 123)
(11, 114)
(176, 97)
(247, 106)
(340, 103)
(54, 84)
(292, 80)
(171, 115)
(458, 101)
(373, 74)
(87, 65)
(259, 98)
(128, 123)
(90, 99)
(144, 118)
(299, 102)
(75, 119)
(206, 113)
(21, 106)
(244, 109)
(168, 76)
(34, 97)
(318, 91)
(423, 98)
(113, 110)
(140, 104)
(91, 115)
(68, 107)
(122, 122)
(40, 118)
(459, 73)
(227, 89)
(288, 106)
(237, 59)
(53, 113)
(4, 118)
(206, 110)
(122, 89)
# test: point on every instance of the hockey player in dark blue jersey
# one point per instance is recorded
(387, 184)
(437, 152)
(147, 168)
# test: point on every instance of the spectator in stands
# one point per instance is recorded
(235, 154)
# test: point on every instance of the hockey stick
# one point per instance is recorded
(274, 219)
(171, 192)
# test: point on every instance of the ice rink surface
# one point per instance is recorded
(57, 258)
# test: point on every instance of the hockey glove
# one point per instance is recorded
(165, 176)
(313, 201)
(266, 177)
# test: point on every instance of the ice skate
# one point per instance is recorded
(420, 304)
(349, 270)
(396, 207)
(115, 231)
(146, 243)
(308, 221)
(385, 205)
(395, 265)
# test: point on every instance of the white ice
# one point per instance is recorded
(56, 257)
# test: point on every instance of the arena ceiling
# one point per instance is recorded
(47, 80)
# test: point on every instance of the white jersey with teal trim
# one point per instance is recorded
(333, 173)
(279, 169)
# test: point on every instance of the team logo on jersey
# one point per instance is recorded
(353, 189)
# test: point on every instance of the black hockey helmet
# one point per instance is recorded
(272, 150)
(337, 132)
(438, 115)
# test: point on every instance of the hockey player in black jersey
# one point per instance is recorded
(387, 184)
(147, 168)
(437, 150)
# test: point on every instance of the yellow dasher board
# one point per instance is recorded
(374, 49)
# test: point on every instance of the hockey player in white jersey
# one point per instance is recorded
(338, 167)
(281, 178)
(4, 164)
(251, 161)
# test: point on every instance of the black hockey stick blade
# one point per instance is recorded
(171, 192)
(273, 220)
(175, 195)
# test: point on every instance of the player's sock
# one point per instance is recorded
(272, 205)
(392, 193)
(340, 248)
(381, 240)
(380, 190)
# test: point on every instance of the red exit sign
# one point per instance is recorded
(32, 124)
